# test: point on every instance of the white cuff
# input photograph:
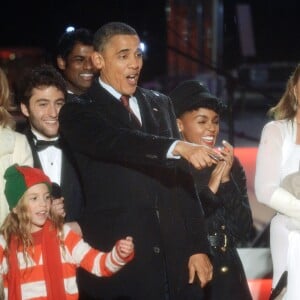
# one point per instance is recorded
(170, 151)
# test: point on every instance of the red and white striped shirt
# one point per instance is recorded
(76, 253)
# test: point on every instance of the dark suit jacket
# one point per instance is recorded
(132, 189)
(70, 183)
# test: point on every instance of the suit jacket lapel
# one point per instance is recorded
(148, 113)
(111, 108)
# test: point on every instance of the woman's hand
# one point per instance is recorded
(216, 176)
(227, 153)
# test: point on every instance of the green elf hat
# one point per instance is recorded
(19, 179)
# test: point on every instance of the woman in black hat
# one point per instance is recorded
(221, 189)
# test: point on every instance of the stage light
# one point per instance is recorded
(70, 29)
(143, 47)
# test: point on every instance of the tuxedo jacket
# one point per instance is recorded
(131, 188)
(70, 183)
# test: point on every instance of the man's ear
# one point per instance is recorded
(61, 63)
(97, 60)
(24, 110)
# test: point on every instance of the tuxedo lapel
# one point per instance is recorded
(35, 156)
(70, 184)
(37, 162)
(65, 179)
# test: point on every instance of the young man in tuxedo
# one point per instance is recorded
(42, 95)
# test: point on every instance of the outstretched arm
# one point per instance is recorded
(97, 262)
(82, 125)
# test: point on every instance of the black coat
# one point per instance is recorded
(227, 212)
(70, 182)
(131, 189)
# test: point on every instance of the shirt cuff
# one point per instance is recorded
(170, 151)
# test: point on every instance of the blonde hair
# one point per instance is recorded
(6, 119)
(17, 224)
(286, 108)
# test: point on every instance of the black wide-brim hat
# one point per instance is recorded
(192, 94)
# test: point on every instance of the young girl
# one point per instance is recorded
(38, 254)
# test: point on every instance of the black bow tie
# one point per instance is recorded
(42, 145)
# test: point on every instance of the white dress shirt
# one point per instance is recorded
(51, 159)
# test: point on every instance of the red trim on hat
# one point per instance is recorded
(33, 176)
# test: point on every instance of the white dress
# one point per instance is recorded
(278, 156)
(14, 148)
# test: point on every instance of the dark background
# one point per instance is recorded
(276, 34)
(275, 28)
(40, 23)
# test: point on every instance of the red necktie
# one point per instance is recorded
(125, 101)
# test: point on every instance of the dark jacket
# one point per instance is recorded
(131, 189)
(70, 183)
(229, 221)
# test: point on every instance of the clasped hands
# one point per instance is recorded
(199, 156)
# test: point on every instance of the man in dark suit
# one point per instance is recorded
(127, 158)
(43, 93)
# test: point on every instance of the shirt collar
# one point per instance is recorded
(41, 137)
(110, 89)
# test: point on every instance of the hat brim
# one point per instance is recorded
(205, 101)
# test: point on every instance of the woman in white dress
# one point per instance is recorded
(14, 147)
(278, 156)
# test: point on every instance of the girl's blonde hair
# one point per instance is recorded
(17, 224)
(286, 108)
(6, 119)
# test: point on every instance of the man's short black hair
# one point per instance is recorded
(68, 40)
(108, 30)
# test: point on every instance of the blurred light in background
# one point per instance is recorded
(70, 28)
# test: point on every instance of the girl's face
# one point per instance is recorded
(38, 201)
(199, 126)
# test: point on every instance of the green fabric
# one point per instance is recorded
(15, 186)
(19, 179)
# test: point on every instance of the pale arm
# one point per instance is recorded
(268, 163)
(268, 175)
